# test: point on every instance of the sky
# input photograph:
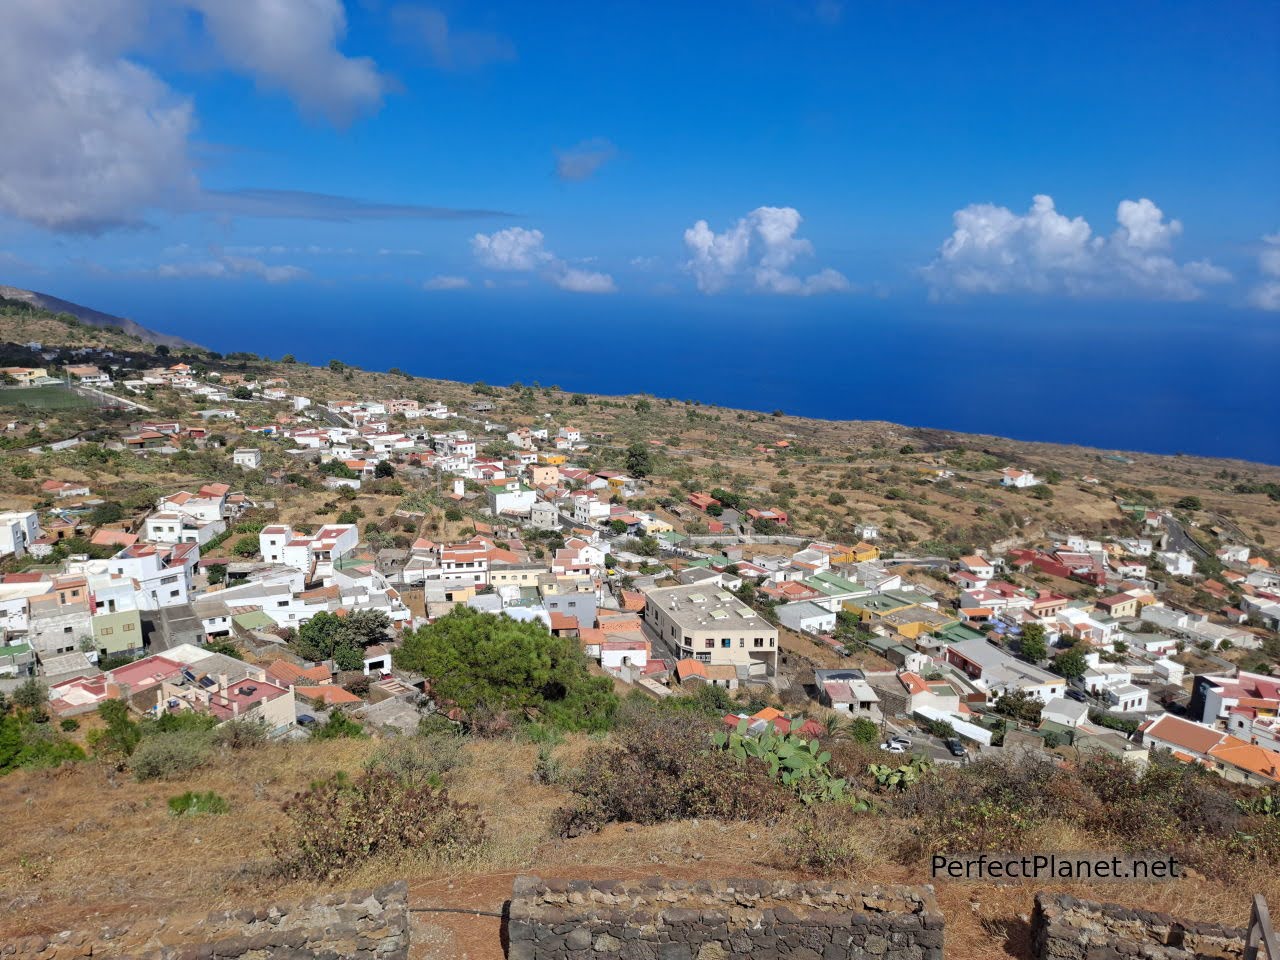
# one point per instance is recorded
(679, 157)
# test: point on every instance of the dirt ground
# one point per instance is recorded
(84, 846)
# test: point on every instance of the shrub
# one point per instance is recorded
(25, 743)
(660, 768)
(69, 724)
(338, 823)
(338, 726)
(546, 769)
(191, 804)
(822, 841)
(166, 755)
(418, 761)
(241, 734)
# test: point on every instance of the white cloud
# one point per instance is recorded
(514, 248)
(1266, 295)
(764, 244)
(292, 46)
(584, 281)
(443, 282)
(90, 139)
(229, 267)
(521, 250)
(582, 161)
(993, 250)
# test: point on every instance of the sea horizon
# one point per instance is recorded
(1155, 378)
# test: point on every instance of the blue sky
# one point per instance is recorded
(680, 152)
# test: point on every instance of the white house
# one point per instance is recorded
(18, 529)
(1178, 563)
(249, 458)
(806, 617)
(511, 498)
(1069, 713)
(1011, 477)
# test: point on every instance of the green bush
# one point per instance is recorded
(25, 743)
(163, 756)
(337, 727)
(339, 823)
(191, 803)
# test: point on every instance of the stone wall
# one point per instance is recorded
(720, 920)
(1064, 928)
(360, 924)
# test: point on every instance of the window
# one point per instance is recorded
(107, 631)
(128, 627)
(758, 642)
(771, 641)
(742, 642)
(726, 643)
(707, 644)
(66, 629)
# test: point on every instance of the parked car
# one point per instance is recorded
(1077, 695)
(893, 747)
(956, 748)
(306, 720)
(901, 741)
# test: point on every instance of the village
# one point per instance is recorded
(213, 601)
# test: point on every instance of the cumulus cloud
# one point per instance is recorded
(91, 139)
(762, 245)
(444, 282)
(580, 162)
(512, 249)
(450, 48)
(993, 250)
(292, 46)
(1266, 295)
(521, 250)
(584, 281)
(229, 266)
(88, 139)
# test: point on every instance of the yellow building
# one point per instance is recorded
(552, 459)
(863, 551)
(24, 376)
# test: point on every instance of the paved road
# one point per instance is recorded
(1179, 539)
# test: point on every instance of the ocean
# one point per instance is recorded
(1164, 378)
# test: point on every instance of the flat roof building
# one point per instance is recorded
(708, 624)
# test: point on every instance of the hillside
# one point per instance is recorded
(91, 317)
(95, 840)
(833, 477)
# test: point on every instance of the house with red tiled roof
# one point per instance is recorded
(702, 501)
(330, 695)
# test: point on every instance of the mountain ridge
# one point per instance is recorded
(92, 317)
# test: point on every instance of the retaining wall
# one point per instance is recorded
(359, 924)
(661, 919)
(1064, 928)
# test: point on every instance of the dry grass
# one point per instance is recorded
(84, 846)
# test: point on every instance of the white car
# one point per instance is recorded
(901, 741)
(893, 747)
